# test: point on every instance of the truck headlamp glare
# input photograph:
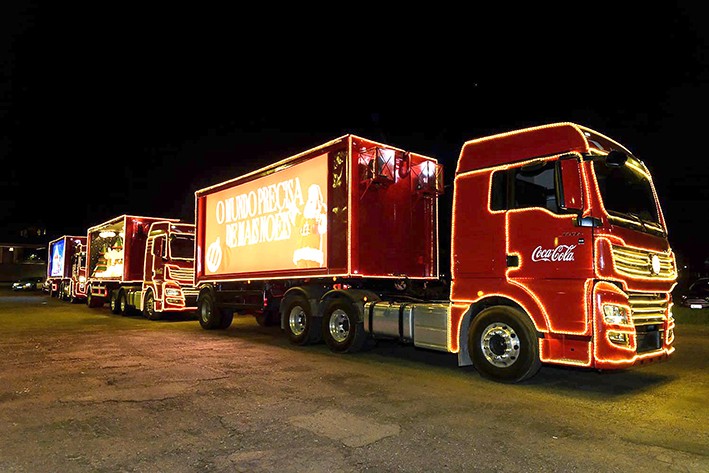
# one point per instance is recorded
(616, 315)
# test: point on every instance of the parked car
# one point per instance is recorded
(28, 284)
(697, 295)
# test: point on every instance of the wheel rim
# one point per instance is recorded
(296, 320)
(123, 304)
(113, 303)
(339, 325)
(500, 345)
(206, 312)
(149, 304)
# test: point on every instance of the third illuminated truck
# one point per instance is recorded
(558, 251)
(66, 268)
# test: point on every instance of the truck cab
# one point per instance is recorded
(567, 234)
(76, 290)
(169, 269)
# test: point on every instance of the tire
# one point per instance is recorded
(341, 330)
(61, 296)
(225, 320)
(209, 315)
(123, 306)
(93, 301)
(115, 301)
(301, 326)
(149, 306)
(503, 344)
(267, 318)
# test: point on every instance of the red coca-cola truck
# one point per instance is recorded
(141, 265)
(66, 271)
(558, 251)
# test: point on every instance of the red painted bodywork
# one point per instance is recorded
(140, 268)
(563, 298)
(73, 245)
(135, 230)
(169, 271)
(381, 221)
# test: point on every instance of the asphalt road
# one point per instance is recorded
(82, 390)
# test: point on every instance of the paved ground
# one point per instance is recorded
(82, 390)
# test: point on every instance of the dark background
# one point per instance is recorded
(128, 109)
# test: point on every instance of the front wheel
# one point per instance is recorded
(227, 316)
(149, 311)
(503, 344)
(341, 330)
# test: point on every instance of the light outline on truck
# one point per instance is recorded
(592, 331)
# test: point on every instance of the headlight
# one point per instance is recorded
(82, 278)
(617, 315)
(172, 292)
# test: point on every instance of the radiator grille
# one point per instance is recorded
(637, 263)
(648, 308)
(182, 274)
(648, 312)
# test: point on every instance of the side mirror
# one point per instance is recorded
(569, 186)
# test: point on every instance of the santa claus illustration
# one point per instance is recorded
(311, 224)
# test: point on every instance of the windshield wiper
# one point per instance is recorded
(640, 220)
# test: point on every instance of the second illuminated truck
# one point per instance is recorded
(559, 251)
(142, 265)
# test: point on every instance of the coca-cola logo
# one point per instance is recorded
(560, 253)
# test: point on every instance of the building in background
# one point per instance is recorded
(23, 253)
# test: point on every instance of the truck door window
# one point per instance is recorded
(524, 187)
(159, 247)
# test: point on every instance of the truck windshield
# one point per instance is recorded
(627, 193)
(182, 246)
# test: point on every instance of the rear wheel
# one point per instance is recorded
(301, 325)
(341, 330)
(209, 315)
(267, 318)
(503, 345)
(123, 306)
(115, 303)
(62, 290)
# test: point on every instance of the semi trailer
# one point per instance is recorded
(558, 251)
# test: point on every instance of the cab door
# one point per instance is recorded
(548, 252)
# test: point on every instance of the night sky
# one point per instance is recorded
(130, 109)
